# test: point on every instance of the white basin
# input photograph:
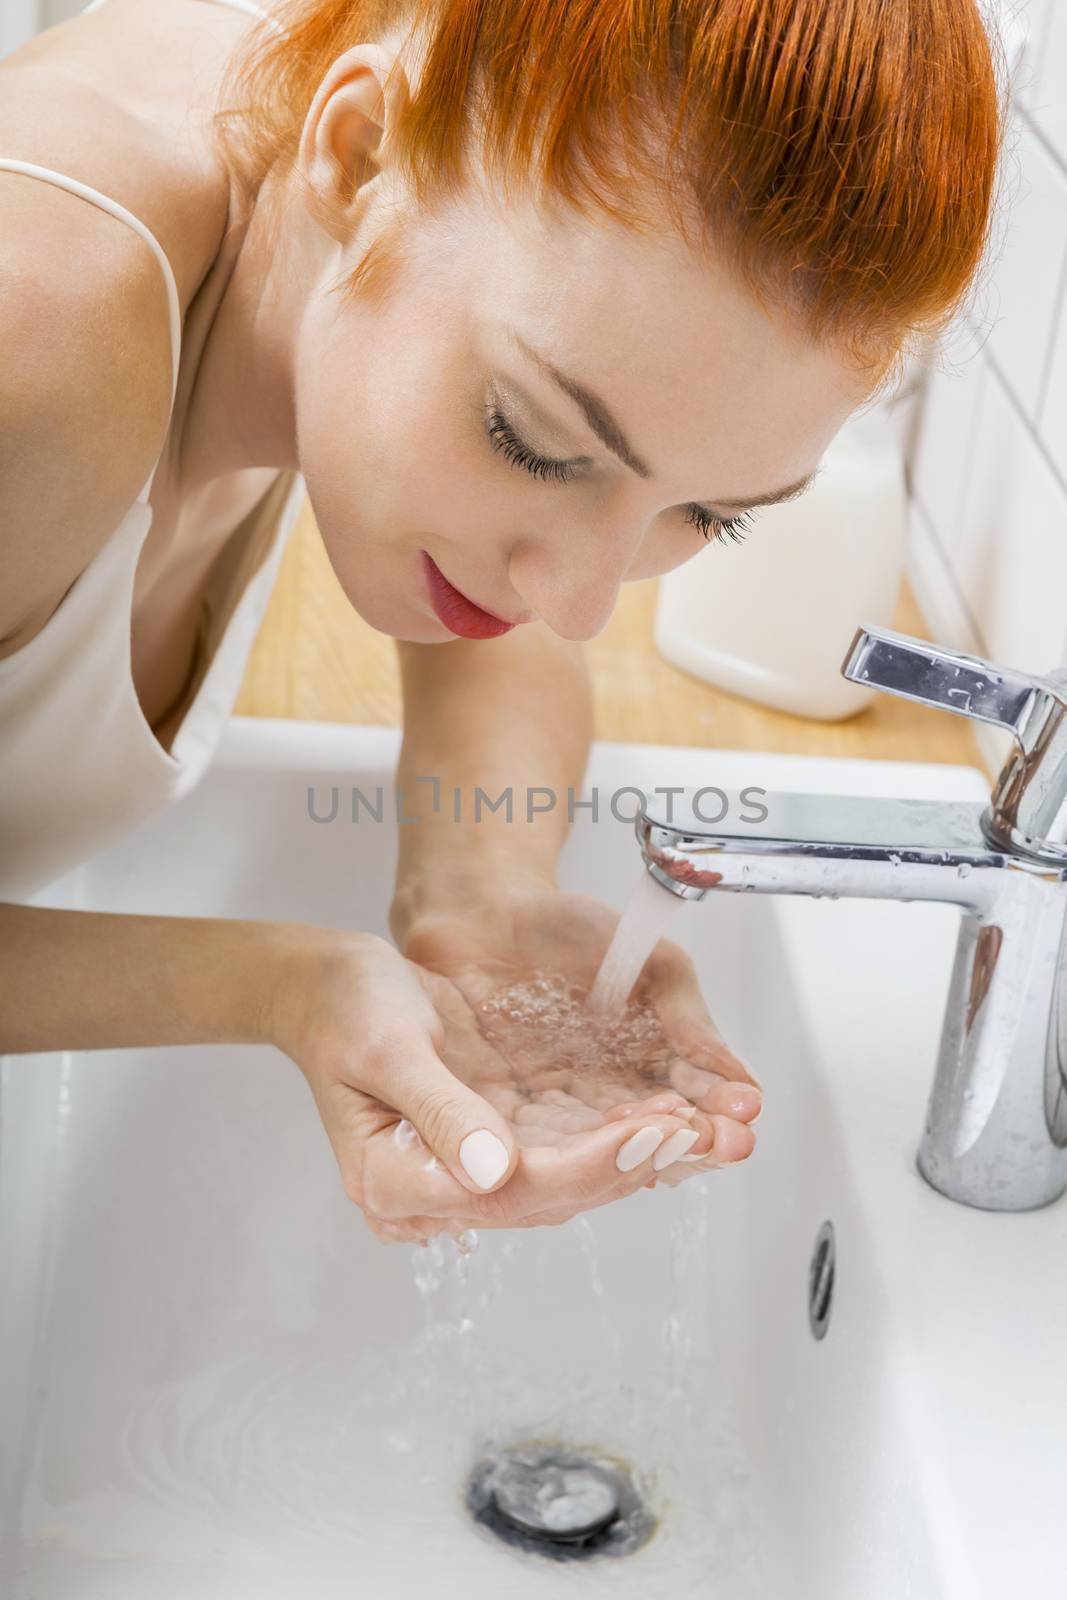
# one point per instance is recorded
(217, 1384)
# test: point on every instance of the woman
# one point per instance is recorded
(534, 298)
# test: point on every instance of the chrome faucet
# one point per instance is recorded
(996, 1126)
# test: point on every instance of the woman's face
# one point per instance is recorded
(444, 461)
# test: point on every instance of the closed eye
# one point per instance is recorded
(506, 442)
(502, 437)
(715, 527)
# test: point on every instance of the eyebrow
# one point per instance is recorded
(611, 435)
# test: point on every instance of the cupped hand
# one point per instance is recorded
(416, 1102)
(533, 945)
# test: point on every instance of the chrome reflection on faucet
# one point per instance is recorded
(996, 1127)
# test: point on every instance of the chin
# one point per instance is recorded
(427, 633)
(398, 621)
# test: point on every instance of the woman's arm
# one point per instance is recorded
(509, 713)
(364, 1025)
(83, 980)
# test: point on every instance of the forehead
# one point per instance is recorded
(699, 376)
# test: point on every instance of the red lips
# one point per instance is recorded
(459, 614)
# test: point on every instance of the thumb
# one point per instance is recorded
(462, 1129)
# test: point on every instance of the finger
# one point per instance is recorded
(680, 1172)
(593, 1168)
(468, 1136)
(668, 1100)
(731, 1142)
(727, 1144)
(714, 1093)
(673, 989)
(551, 1184)
(717, 1141)
(588, 1170)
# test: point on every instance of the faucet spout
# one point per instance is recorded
(996, 1127)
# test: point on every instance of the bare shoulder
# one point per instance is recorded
(85, 383)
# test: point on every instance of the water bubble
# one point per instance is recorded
(548, 1046)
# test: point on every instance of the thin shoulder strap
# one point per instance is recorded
(252, 10)
(105, 202)
(249, 7)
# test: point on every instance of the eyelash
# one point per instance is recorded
(504, 439)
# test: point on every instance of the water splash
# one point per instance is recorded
(667, 1421)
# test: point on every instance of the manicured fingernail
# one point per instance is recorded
(688, 1112)
(675, 1146)
(484, 1157)
(638, 1148)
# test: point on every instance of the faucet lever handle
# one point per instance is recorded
(935, 676)
(1028, 808)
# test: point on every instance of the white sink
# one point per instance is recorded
(217, 1384)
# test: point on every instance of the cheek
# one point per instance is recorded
(395, 481)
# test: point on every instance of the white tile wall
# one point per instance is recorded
(1052, 422)
(1024, 288)
(1010, 555)
(1033, 23)
(1048, 102)
(942, 449)
(988, 464)
(19, 21)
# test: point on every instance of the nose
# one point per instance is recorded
(572, 584)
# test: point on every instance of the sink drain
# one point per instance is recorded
(558, 1503)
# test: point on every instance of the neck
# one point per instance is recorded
(239, 411)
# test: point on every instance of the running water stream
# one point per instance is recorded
(644, 922)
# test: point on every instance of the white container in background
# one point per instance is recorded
(771, 619)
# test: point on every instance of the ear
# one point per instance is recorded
(345, 139)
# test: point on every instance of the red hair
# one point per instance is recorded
(840, 156)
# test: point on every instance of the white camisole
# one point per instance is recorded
(80, 764)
